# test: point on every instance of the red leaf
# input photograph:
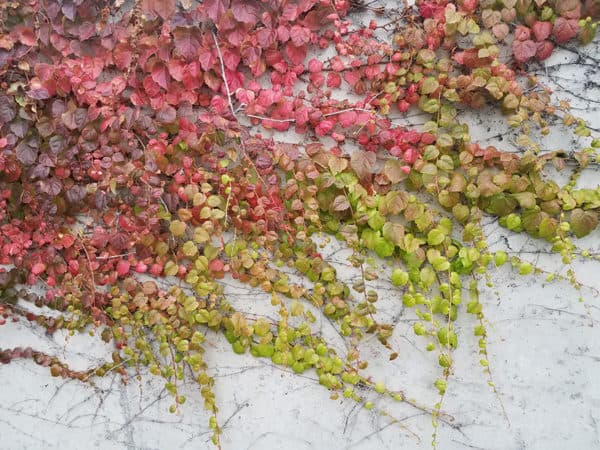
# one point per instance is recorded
(25, 35)
(294, 53)
(73, 266)
(289, 12)
(324, 127)
(522, 33)
(123, 267)
(231, 59)
(315, 65)
(544, 50)
(38, 268)
(216, 265)
(348, 118)
(523, 50)
(176, 68)
(245, 11)
(334, 80)
(215, 8)
(186, 42)
(122, 56)
(565, 29)
(162, 8)
(542, 30)
(299, 35)
(160, 74)
(192, 76)
(67, 241)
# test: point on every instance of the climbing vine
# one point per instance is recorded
(150, 150)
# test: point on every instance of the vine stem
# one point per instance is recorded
(223, 75)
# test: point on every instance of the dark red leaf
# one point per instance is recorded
(7, 109)
(51, 186)
(186, 42)
(166, 114)
(27, 152)
(544, 50)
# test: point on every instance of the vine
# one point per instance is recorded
(142, 163)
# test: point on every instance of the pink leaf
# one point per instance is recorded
(324, 127)
(123, 267)
(348, 118)
(351, 77)
(160, 74)
(523, 50)
(290, 12)
(162, 8)
(25, 35)
(186, 42)
(216, 265)
(176, 67)
(122, 56)
(522, 33)
(38, 268)
(215, 8)
(315, 66)
(565, 29)
(294, 53)
(333, 80)
(231, 59)
(500, 30)
(245, 11)
(542, 30)
(206, 59)
(544, 50)
(299, 35)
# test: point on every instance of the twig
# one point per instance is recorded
(223, 74)
(268, 118)
(347, 110)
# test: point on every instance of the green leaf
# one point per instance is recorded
(171, 269)
(384, 248)
(525, 268)
(435, 237)
(393, 232)
(376, 221)
(583, 222)
(500, 258)
(440, 385)
(399, 277)
(430, 84)
(177, 228)
(440, 264)
(526, 200)
(190, 249)
(429, 105)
